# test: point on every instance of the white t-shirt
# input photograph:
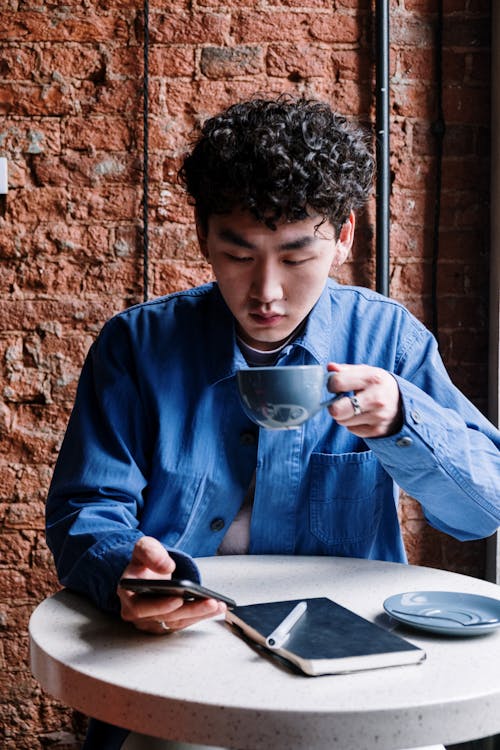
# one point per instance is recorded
(237, 538)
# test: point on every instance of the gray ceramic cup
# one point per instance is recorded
(282, 398)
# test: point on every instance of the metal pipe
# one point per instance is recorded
(145, 174)
(383, 182)
(493, 544)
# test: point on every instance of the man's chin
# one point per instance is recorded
(266, 343)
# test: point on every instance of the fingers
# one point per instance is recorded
(174, 613)
(150, 559)
(355, 377)
(374, 409)
(149, 556)
(194, 612)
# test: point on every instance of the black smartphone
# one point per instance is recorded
(189, 590)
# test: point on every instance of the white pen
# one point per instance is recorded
(281, 633)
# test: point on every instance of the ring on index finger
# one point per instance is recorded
(164, 626)
(356, 406)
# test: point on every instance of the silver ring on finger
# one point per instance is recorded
(356, 406)
(164, 626)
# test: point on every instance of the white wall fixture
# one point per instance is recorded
(3, 176)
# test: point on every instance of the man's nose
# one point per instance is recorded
(267, 284)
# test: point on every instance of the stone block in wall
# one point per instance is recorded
(231, 62)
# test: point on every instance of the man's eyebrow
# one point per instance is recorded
(236, 239)
(298, 243)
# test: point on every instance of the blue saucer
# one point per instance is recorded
(446, 612)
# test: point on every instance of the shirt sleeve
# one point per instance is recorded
(97, 491)
(447, 454)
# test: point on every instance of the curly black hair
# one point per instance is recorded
(279, 159)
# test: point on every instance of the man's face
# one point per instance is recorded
(271, 279)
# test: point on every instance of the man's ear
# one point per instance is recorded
(345, 240)
(201, 233)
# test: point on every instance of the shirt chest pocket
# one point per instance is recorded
(345, 498)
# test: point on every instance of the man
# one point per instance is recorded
(160, 463)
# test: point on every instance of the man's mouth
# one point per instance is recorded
(267, 318)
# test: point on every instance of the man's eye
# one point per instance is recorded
(294, 261)
(238, 258)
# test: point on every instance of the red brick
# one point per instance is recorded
(231, 62)
(410, 206)
(463, 209)
(63, 27)
(416, 65)
(460, 245)
(32, 100)
(348, 97)
(465, 173)
(478, 68)
(454, 66)
(45, 314)
(413, 173)
(66, 62)
(303, 60)
(169, 241)
(17, 62)
(80, 242)
(101, 133)
(15, 549)
(75, 168)
(253, 27)
(462, 346)
(465, 105)
(334, 29)
(171, 204)
(117, 97)
(467, 32)
(30, 136)
(459, 140)
(304, 4)
(173, 276)
(117, 203)
(412, 31)
(171, 60)
(412, 277)
(361, 6)
(352, 65)
(413, 100)
(29, 207)
(420, 6)
(166, 134)
(189, 28)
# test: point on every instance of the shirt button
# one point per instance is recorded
(248, 438)
(416, 416)
(217, 524)
(404, 442)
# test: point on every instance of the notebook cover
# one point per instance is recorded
(328, 638)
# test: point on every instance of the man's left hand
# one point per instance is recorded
(376, 409)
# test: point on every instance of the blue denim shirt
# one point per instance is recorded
(158, 444)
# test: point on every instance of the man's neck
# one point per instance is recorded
(268, 357)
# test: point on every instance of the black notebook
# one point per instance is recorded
(327, 639)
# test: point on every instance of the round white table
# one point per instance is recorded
(206, 685)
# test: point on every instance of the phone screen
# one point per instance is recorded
(189, 590)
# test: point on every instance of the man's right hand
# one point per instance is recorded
(150, 559)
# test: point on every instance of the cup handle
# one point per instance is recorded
(334, 398)
(330, 401)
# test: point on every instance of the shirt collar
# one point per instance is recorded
(317, 334)
(226, 356)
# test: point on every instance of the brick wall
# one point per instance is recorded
(70, 241)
